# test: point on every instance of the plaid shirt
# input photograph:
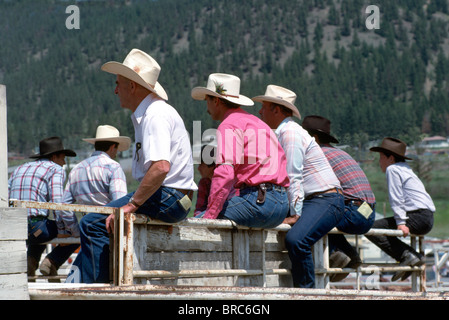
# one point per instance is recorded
(96, 181)
(353, 180)
(41, 180)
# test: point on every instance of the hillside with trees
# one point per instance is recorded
(391, 81)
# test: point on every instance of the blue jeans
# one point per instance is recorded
(353, 223)
(319, 215)
(245, 211)
(92, 262)
(40, 231)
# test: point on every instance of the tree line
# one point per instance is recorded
(371, 83)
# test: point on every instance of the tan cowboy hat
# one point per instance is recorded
(109, 133)
(225, 86)
(392, 145)
(141, 68)
(280, 95)
(51, 145)
(319, 125)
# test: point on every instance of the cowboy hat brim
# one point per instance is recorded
(200, 93)
(331, 138)
(279, 101)
(118, 68)
(123, 142)
(383, 150)
(67, 152)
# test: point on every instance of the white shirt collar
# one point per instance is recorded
(142, 107)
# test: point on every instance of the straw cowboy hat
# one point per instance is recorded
(109, 133)
(392, 145)
(224, 86)
(319, 125)
(280, 95)
(51, 145)
(141, 68)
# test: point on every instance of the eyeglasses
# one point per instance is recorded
(138, 147)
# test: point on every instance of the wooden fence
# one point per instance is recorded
(215, 252)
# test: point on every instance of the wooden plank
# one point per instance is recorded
(208, 260)
(13, 224)
(167, 238)
(3, 149)
(177, 238)
(14, 287)
(13, 257)
(240, 255)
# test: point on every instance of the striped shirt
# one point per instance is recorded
(96, 181)
(41, 180)
(353, 180)
(307, 167)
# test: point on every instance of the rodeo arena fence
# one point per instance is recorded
(208, 259)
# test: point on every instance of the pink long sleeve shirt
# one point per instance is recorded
(248, 152)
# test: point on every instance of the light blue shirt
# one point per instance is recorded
(406, 191)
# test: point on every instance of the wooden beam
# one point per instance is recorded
(3, 149)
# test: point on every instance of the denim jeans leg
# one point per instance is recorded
(93, 258)
(245, 211)
(352, 223)
(164, 205)
(319, 215)
(40, 232)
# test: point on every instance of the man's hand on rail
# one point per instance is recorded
(405, 230)
(127, 208)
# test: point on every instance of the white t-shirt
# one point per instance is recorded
(160, 134)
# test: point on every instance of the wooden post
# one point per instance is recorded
(240, 254)
(13, 257)
(3, 149)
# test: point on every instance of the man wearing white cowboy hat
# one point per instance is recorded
(96, 180)
(43, 181)
(316, 201)
(162, 162)
(249, 158)
(99, 179)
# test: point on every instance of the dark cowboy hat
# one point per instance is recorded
(393, 146)
(320, 126)
(52, 145)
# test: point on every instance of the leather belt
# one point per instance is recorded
(186, 192)
(267, 186)
(262, 189)
(333, 190)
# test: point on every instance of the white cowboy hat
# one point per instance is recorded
(109, 133)
(224, 86)
(280, 95)
(139, 67)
